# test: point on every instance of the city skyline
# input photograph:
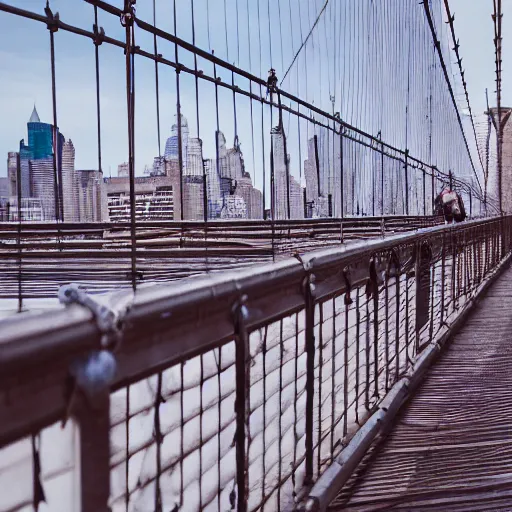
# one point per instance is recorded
(48, 174)
(25, 60)
(230, 191)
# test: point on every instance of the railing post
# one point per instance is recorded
(506, 222)
(372, 291)
(88, 397)
(423, 283)
(94, 422)
(309, 288)
(503, 237)
(443, 277)
(242, 403)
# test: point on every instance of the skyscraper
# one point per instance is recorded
(282, 185)
(40, 136)
(49, 182)
(193, 181)
(172, 146)
(229, 189)
(316, 202)
(322, 170)
(36, 171)
(213, 189)
(12, 174)
(231, 171)
(43, 186)
(91, 196)
(172, 171)
(253, 197)
(70, 184)
(194, 158)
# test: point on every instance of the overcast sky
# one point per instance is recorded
(25, 71)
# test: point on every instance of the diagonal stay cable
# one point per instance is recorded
(437, 45)
(322, 10)
(456, 46)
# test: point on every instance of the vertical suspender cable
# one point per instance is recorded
(130, 97)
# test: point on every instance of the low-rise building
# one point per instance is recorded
(154, 198)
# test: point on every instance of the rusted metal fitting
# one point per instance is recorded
(308, 283)
(110, 322)
(99, 35)
(52, 20)
(128, 16)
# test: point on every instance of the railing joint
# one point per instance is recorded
(99, 35)
(128, 15)
(53, 20)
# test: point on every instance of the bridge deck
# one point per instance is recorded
(451, 448)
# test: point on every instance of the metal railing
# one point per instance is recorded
(235, 391)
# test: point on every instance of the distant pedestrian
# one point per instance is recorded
(449, 204)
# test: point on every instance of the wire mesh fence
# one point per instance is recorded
(235, 391)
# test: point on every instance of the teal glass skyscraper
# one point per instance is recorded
(40, 149)
(40, 137)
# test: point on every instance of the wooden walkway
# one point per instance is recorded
(451, 448)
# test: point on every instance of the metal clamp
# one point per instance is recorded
(128, 16)
(110, 322)
(52, 23)
(94, 372)
(99, 35)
